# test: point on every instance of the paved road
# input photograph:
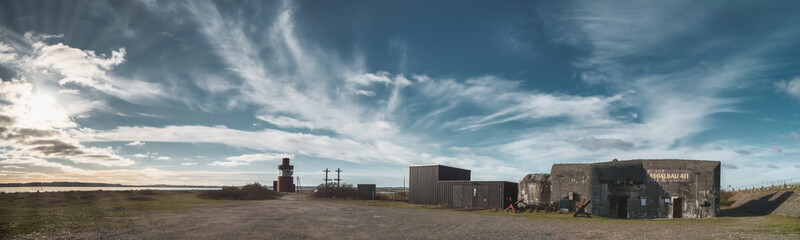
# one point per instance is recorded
(295, 218)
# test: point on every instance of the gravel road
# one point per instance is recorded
(295, 218)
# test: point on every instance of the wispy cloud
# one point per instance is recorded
(246, 159)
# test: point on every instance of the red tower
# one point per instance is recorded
(285, 181)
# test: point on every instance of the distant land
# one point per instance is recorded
(90, 184)
(85, 184)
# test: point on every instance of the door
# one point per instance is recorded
(622, 208)
(457, 196)
(483, 197)
(677, 208)
(469, 196)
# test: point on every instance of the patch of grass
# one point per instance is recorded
(52, 212)
(782, 225)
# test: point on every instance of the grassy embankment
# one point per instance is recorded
(54, 212)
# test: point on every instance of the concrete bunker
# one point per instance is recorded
(631, 188)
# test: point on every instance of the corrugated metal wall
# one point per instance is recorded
(483, 195)
(423, 186)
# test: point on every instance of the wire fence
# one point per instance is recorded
(766, 185)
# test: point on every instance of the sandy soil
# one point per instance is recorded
(295, 218)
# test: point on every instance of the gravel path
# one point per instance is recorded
(295, 218)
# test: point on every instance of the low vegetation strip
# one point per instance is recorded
(254, 191)
(53, 212)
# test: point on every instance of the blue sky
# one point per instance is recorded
(196, 92)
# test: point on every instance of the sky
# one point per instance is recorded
(216, 93)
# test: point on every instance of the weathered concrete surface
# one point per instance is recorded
(660, 188)
(535, 189)
(776, 201)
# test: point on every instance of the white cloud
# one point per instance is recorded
(268, 139)
(139, 155)
(246, 159)
(370, 78)
(286, 122)
(12, 158)
(164, 158)
(135, 144)
(188, 164)
(459, 149)
(792, 87)
(35, 127)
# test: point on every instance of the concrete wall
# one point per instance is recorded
(575, 178)
(626, 189)
(535, 189)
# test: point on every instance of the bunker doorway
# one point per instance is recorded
(677, 208)
(622, 207)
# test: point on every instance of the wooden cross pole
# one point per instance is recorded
(582, 209)
(513, 205)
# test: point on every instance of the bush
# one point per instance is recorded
(344, 192)
(254, 191)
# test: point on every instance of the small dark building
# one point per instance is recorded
(640, 188)
(366, 191)
(424, 181)
(480, 194)
(449, 186)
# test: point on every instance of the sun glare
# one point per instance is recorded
(43, 111)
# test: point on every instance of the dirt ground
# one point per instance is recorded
(295, 218)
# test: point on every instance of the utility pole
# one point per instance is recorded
(338, 179)
(299, 186)
(404, 182)
(326, 179)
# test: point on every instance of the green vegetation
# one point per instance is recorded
(253, 191)
(52, 212)
(401, 196)
(343, 192)
(783, 225)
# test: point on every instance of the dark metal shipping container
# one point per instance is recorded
(478, 194)
(423, 183)
(366, 191)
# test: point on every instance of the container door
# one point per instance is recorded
(483, 197)
(469, 196)
(496, 199)
(458, 196)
